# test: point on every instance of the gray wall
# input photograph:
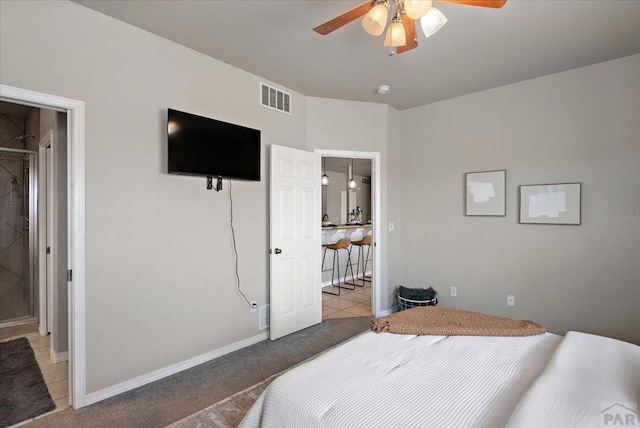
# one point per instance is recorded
(160, 285)
(332, 197)
(578, 126)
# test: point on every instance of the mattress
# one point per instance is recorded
(391, 380)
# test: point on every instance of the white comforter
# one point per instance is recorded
(591, 381)
(390, 380)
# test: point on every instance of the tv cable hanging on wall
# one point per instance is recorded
(235, 248)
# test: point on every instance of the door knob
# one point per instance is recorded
(277, 251)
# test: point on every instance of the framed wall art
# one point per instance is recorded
(550, 204)
(486, 193)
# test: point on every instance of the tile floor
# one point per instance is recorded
(56, 376)
(350, 303)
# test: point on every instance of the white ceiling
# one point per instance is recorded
(478, 49)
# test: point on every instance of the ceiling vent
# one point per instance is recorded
(275, 99)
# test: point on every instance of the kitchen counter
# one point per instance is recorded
(346, 226)
(332, 234)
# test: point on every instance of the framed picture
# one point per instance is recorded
(550, 203)
(485, 193)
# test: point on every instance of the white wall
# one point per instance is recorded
(578, 126)
(333, 192)
(159, 268)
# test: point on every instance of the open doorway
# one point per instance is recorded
(33, 239)
(74, 111)
(353, 213)
(347, 264)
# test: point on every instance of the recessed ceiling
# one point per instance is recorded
(478, 49)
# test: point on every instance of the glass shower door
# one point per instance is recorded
(16, 253)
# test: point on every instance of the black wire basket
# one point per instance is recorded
(404, 303)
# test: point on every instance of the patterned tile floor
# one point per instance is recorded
(350, 303)
(56, 376)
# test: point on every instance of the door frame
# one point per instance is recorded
(377, 220)
(75, 224)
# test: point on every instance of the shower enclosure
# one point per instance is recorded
(17, 235)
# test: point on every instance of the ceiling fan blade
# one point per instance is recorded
(496, 4)
(344, 19)
(410, 31)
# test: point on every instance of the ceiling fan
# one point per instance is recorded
(401, 33)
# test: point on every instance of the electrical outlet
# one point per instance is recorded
(511, 300)
(392, 227)
(254, 305)
(454, 291)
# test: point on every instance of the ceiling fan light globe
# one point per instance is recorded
(395, 35)
(416, 9)
(375, 20)
(432, 21)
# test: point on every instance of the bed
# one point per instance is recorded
(400, 380)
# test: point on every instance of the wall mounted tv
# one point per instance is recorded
(209, 147)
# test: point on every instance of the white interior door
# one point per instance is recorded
(45, 187)
(49, 238)
(296, 240)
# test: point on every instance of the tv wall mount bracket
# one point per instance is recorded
(218, 183)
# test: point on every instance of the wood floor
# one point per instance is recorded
(56, 376)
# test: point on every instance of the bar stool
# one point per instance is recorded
(366, 240)
(342, 244)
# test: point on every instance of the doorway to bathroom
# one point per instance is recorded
(33, 239)
(74, 284)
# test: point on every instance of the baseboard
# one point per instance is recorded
(139, 381)
(385, 312)
(58, 357)
(347, 278)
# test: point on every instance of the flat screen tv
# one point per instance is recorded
(209, 147)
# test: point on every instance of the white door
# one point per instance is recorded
(296, 241)
(45, 227)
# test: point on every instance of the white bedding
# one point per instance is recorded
(390, 380)
(587, 380)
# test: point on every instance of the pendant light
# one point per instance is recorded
(325, 177)
(352, 182)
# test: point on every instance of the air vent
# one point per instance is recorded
(263, 317)
(366, 180)
(275, 99)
